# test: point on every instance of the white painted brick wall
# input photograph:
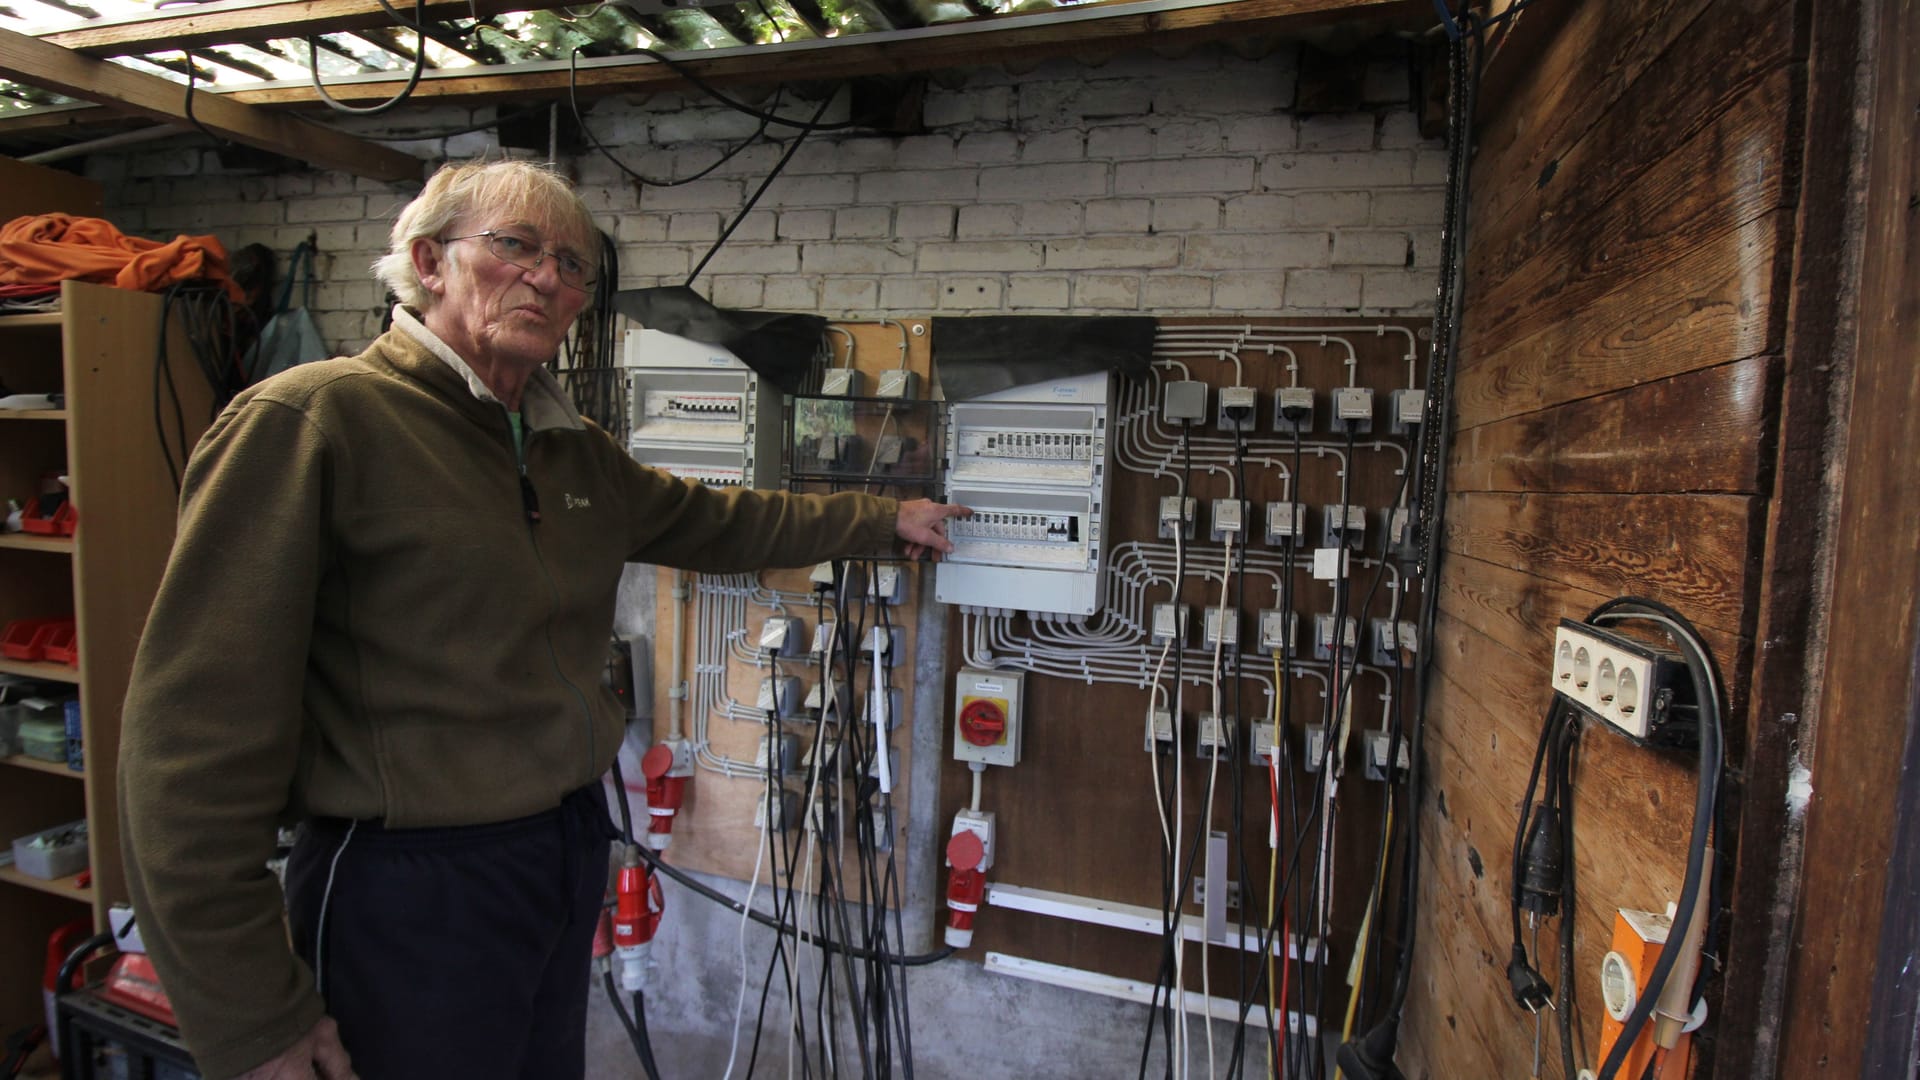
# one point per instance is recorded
(1145, 184)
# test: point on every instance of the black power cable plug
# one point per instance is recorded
(1370, 1057)
(1530, 991)
(1541, 870)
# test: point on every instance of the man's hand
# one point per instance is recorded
(317, 1056)
(923, 525)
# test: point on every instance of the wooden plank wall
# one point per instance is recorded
(1618, 407)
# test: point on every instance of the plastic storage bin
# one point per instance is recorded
(44, 738)
(52, 853)
(10, 717)
(76, 753)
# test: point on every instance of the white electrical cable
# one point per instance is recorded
(1213, 771)
(740, 999)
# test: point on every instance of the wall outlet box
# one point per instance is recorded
(778, 753)
(980, 824)
(897, 383)
(887, 583)
(1314, 747)
(1343, 525)
(1229, 519)
(840, 382)
(891, 641)
(1323, 637)
(1169, 624)
(1286, 523)
(817, 698)
(782, 635)
(779, 696)
(1237, 405)
(1405, 410)
(1222, 628)
(883, 708)
(1377, 743)
(1159, 729)
(1184, 402)
(1353, 410)
(1213, 734)
(823, 643)
(1384, 640)
(777, 811)
(1177, 512)
(1331, 563)
(1260, 754)
(1293, 410)
(1279, 631)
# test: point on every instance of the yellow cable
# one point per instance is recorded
(1357, 972)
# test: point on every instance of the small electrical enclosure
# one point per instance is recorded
(1184, 402)
(1293, 410)
(987, 718)
(1353, 410)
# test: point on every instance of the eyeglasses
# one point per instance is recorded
(528, 255)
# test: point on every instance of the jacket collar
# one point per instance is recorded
(543, 404)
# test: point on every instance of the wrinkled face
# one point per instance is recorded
(490, 310)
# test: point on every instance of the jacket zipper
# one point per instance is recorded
(530, 504)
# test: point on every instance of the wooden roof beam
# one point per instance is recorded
(252, 20)
(987, 41)
(51, 67)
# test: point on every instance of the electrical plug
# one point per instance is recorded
(1530, 991)
(1542, 864)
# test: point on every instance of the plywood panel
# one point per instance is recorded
(1690, 433)
(36, 189)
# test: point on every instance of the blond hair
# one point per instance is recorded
(520, 189)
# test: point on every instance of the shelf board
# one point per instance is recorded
(57, 887)
(57, 768)
(39, 669)
(31, 318)
(37, 542)
(33, 414)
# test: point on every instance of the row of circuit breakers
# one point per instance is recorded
(1031, 461)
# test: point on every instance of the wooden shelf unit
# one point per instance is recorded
(99, 350)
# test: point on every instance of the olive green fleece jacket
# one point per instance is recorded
(360, 619)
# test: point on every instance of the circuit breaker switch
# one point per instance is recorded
(987, 719)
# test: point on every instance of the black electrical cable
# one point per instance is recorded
(448, 133)
(405, 92)
(635, 1027)
(686, 71)
(778, 167)
(573, 102)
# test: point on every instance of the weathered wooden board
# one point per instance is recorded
(1720, 180)
(1713, 306)
(1691, 551)
(1690, 433)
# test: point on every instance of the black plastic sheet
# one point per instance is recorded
(980, 355)
(780, 346)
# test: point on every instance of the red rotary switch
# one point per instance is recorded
(983, 723)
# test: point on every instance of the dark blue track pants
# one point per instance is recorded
(455, 952)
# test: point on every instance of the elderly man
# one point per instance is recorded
(385, 618)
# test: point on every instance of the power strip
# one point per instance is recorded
(1630, 684)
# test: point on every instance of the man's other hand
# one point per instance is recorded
(317, 1056)
(923, 525)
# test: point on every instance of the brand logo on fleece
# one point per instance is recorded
(576, 502)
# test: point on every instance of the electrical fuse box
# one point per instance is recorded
(1279, 631)
(1177, 512)
(1343, 525)
(840, 382)
(1159, 729)
(1185, 402)
(779, 696)
(696, 411)
(1406, 409)
(1378, 746)
(1032, 462)
(1211, 734)
(1237, 404)
(1323, 637)
(987, 718)
(1353, 410)
(781, 635)
(1228, 519)
(1293, 410)
(1222, 627)
(1286, 523)
(1169, 624)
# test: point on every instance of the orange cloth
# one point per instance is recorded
(41, 249)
